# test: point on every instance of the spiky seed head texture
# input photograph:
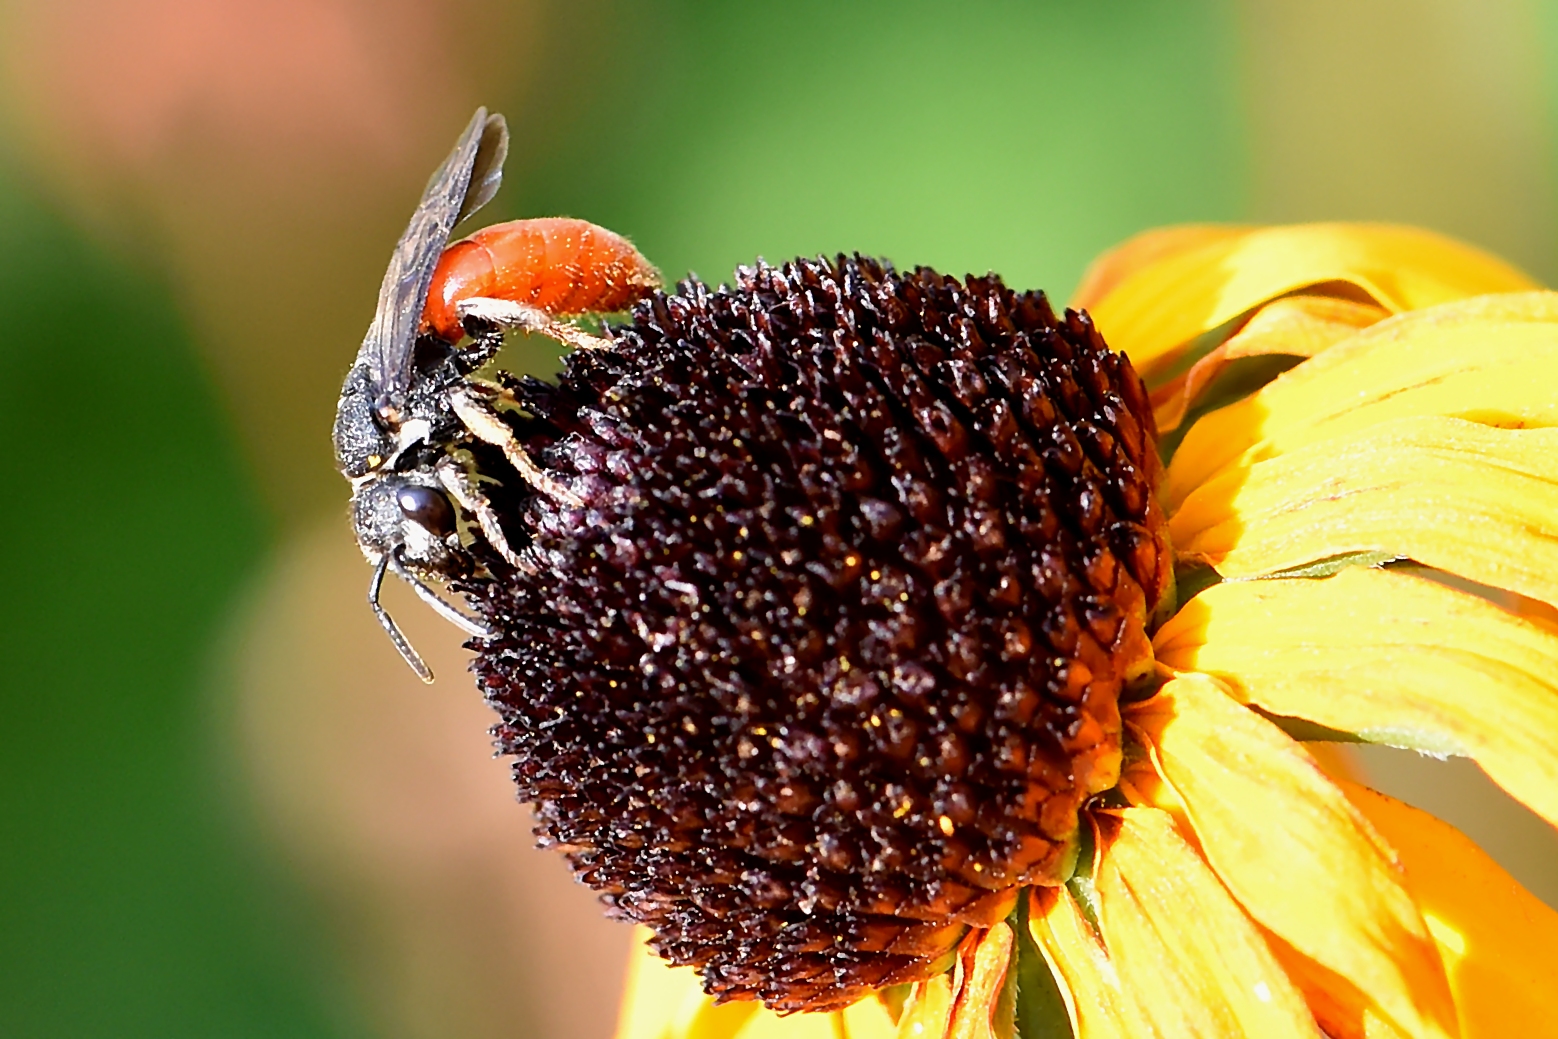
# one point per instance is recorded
(830, 658)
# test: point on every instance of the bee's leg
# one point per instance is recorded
(481, 314)
(459, 484)
(495, 393)
(407, 653)
(469, 625)
(483, 347)
(486, 425)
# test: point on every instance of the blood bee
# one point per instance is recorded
(410, 405)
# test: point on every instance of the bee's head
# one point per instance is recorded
(408, 516)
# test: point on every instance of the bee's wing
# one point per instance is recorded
(468, 178)
(487, 167)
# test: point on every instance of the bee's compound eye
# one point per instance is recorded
(428, 507)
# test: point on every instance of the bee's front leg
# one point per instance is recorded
(488, 426)
(460, 485)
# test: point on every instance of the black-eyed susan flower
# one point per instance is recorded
(840, 681)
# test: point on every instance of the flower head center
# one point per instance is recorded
(830, 658)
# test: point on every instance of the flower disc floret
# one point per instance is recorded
(829, 659)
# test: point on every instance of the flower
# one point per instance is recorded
(888, 726)
(831, 656)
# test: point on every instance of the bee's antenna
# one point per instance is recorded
(409, 655)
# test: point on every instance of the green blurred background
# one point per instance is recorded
(225, 809)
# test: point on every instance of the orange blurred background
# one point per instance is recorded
(227, 807)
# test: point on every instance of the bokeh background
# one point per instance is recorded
(226, 809)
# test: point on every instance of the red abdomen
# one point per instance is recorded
(555, 264)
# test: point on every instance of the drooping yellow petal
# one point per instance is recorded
(1499, 943)
(1099, 1008)
(867, 1019)
(1189, 958)
(1303, 326)
(1175, 293)
(665, 1002)
(1299, 326)
(1390, 656)
(929, 1009)
(1488, 360)
(1337, 760)
(1470, 499)
(1298, 856)
(765, 1024)
(1157, 246)
(989, 960)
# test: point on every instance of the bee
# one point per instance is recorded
(411, 403)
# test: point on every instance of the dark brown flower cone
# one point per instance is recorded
(830, 658)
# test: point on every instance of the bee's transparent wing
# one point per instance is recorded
(468, 178)
(487, 168)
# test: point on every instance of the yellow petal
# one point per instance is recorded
(1470, 499)
(1302, 326)
(1098, 1006)
(867, 1019)
(1187, 955)
(765, 1024)
(929, 1009)
(1297, 855)
(1337, 760)
(1390, 656)
(1489, 360)
(990, 959)
(1157, 246)
(1299, 326)
(665, 1002)
(1180, 291)
(1499, 943)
